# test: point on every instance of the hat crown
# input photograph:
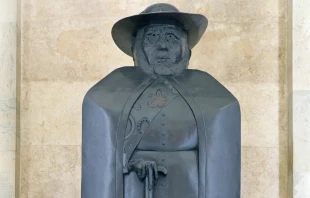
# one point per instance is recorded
(160, 7)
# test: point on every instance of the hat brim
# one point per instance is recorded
(124, 31)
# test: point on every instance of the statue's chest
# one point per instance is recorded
(164, 118)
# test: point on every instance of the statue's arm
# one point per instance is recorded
(98, 152)
(224, 153)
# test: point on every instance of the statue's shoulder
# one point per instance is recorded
(118, 84)
(117, 79)
(203, 85)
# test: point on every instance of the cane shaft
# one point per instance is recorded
(148, 191)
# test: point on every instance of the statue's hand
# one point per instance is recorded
(144, 168)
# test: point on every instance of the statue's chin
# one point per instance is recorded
(163, 70)
(167, 70)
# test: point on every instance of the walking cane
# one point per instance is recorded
(148, 190)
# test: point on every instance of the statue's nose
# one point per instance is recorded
(161, 45)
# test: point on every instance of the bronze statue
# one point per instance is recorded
(159, 129)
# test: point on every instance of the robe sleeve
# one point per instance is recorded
(98, 151)
(224, 153)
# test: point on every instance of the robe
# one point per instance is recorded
(105, 114)
(165, 128)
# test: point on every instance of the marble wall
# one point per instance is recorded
(67, 47)
(301, 98)
(7, 97)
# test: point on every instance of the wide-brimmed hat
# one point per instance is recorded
(124, 31)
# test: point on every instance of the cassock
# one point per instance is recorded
(189, 124)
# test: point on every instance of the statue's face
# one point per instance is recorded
(165, 49)
(162, 45)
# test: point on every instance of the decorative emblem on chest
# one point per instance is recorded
(159, 99)
(143, 124)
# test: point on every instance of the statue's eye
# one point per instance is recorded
(152, 37)
(171, 37)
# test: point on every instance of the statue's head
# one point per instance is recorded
(160, 39)
(161, 49)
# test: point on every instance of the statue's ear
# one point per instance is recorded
(190, 53)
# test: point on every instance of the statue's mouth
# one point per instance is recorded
(162, 59)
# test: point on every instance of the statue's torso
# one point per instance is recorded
(106, 108)
(170, 139)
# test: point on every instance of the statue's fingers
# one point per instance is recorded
(140, 171)
(150, 177)
(139, 166)
(139, 174)
(143, 171)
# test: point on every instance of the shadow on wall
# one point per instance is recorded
(283, 119)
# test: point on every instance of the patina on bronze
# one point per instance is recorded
(159, 129)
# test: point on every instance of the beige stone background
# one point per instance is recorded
(301, 98)
(65, 47)
(8, 21)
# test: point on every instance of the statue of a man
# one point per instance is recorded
(159, 129)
